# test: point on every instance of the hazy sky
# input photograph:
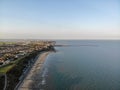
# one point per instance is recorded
(60, 19)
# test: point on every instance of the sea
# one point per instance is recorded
(83, 65)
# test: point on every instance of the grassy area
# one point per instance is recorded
(6, 68)
(14, 71)
(4, 43)
(9, 66)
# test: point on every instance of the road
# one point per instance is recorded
(5, 82)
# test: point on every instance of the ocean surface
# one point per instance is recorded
(84, 65)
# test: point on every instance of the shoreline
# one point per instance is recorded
(33, 74)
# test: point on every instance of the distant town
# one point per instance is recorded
(10, 51)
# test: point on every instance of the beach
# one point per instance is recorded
(33, 77)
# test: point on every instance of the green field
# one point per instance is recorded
(6, 68)
(5, 43)
(9, 66)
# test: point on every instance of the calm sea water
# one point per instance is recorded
(87, 65)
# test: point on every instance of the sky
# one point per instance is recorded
(59, 19)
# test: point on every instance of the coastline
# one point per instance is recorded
(33, 74)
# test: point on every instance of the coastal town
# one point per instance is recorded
(17, 58)
(12, 51)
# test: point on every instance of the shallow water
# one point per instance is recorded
(95, 66)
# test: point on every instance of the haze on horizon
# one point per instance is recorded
(59, 19)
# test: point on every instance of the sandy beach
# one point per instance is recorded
(33, 78)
